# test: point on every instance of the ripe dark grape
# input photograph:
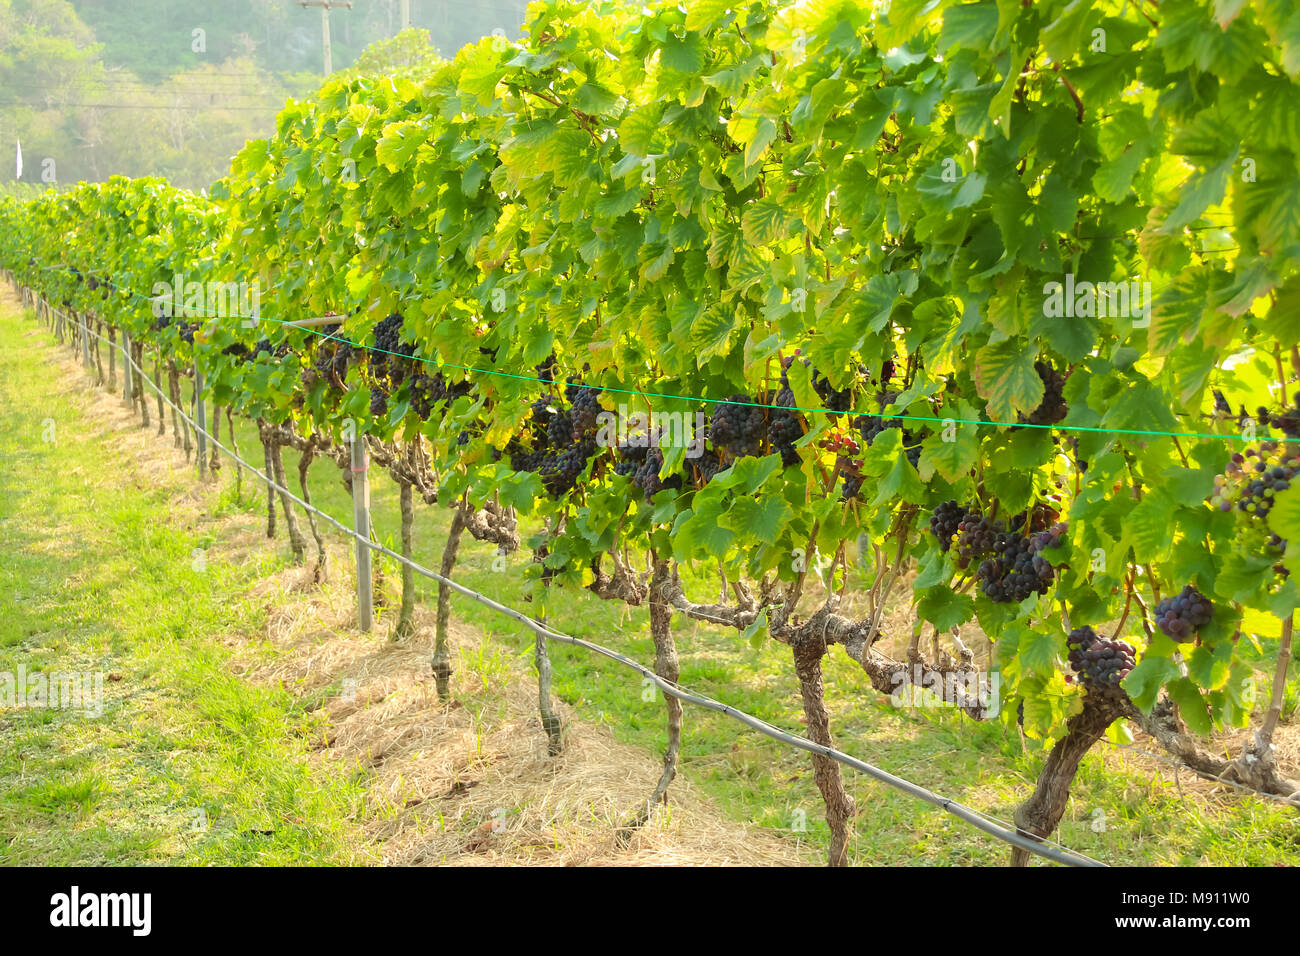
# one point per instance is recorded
(1184, 614)
(707, 465)
(1053, 537)
(835, 400)
(378, 402)
(388, 336)
(583, 415)
(646, 476)
(630, 457)
(872, 426)
(559, 430)
(852, 484)
(426, 391)
(1015, 570)
(945, 521)
(976, 538)
(1100, 663)
(561, 468)
(738, 427)
(1053, 407)
(785, 428)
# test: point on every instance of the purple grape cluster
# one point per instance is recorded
(1099, 663)
(706, 467)
(738, 427)
(1253, 479)
(630, 458)
(426, 391)
(646, 477)
(872, 426)
(785, 428)
(1053, 407)
(559, 442)
(1184, 614)
(1052, 537)
(977, 537)
(1288, 422)
(945, 521)
(1015, 571)
(584, 413)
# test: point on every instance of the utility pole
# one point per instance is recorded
(406, 14)
(325, 6)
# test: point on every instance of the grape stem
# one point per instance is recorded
(1145, 616)
(1180, 452)
(1128, 601)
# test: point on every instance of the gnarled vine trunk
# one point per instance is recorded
(234, 446)
(99, 357)
(158, 377)
(1039, 815)
(214, 458)
(441, 641)
(667, 667)
(269, 471)
(296, 544)
(112, 358)
(137, 379)
(551, 724)
(319, 573)
(840, 808)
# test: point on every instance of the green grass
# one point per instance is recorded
(186, 761)
(104, 577)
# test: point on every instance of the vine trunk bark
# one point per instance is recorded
(99, 357)
(269, 471)
(234, 446)
(319, 574)
(296, 544)
(441, 642)
(137, 377)
(214, 459)
(667, 667)
(158, 377)
(1039, 815)
(112, 358)
(840, 808)
(551, 724)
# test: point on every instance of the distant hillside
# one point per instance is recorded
(174, 88)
